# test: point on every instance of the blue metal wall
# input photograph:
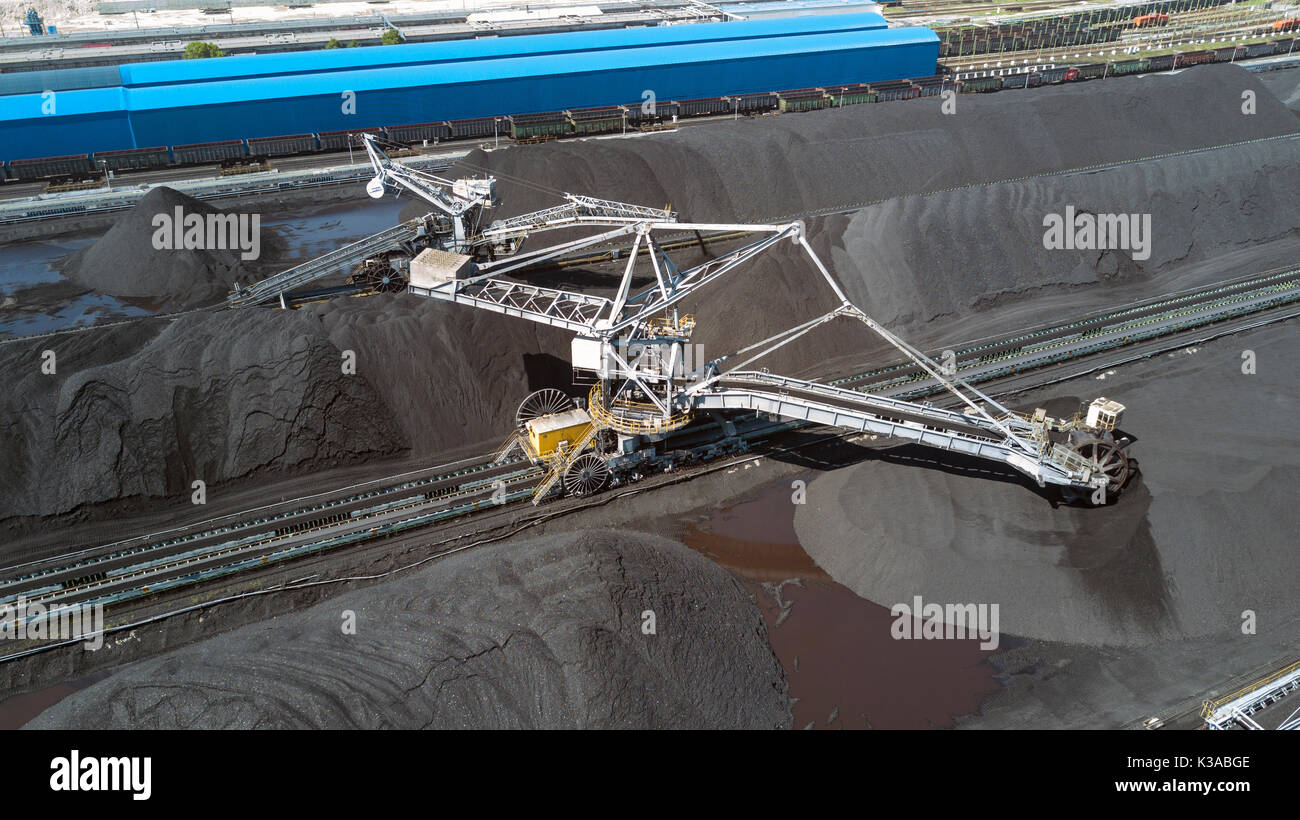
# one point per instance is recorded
(230, 98)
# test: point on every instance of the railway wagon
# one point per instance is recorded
(645, 113)
(931, 86)
(1144, 20)
(983, 85)
(1056, 76)
(704, 106)
(282, 146)
(207, 152)
(896, 90)
(803, 99)
(1123, 67)
(135, 159)
(419, 132)
(73, 165)
(342, 140)
(605, 119)
(1163, 62)
(1225, 55)
(1255, 50)
(1191, 58)
(1089, 71)
(539, 126)
(851, 94)
(759, 103)
(475, 127)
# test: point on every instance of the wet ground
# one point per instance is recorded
(36, 298)
(845, 669)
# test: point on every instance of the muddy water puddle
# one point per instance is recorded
(845, 669)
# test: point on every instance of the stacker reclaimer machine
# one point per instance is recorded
(634, 349)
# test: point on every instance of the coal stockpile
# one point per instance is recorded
(776, 167)
(143, 410)
(432, 377)
(155, 258)
(1285, 85)
(975, 257)
(554, 641)
(1202, 537)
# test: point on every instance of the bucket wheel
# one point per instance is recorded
(542, 403)
(1110, 460)
(378, 276)
(586, 475)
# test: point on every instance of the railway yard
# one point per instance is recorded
(763, 364)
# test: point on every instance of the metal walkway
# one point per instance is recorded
(851, 410)
(1238, 707)
(341, 260)
(579, 210)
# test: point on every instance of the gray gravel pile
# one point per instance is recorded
(541, 633)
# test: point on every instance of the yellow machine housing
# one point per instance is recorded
(546, 434)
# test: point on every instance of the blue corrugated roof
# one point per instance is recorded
(545, 65)
(66, 104)
(330, 60)
(63, 79)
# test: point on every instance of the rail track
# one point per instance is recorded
(132, 569)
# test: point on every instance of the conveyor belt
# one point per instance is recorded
(342, 259)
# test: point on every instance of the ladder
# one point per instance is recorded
(560, 462)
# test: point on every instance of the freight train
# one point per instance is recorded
(537, 127)
(1096, 26)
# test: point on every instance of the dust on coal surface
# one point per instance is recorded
(1206, 533)
(537, 633)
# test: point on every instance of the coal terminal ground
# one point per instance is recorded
(1043, 330)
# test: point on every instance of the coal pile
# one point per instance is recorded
(1201, 537)
(1285, 85)
(139, 412)
(446, 375)
(143, 258)
(142, 410)
(776, 166)
(555, 640)
(920, 264)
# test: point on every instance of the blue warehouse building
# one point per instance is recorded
(193, 101)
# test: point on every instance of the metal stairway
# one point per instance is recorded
(561, 462)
